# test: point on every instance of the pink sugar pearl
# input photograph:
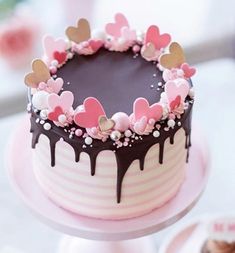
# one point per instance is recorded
(122, 121)
(78, 132)
(136, 48)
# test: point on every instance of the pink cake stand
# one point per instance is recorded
(112, 233)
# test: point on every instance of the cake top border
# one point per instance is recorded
(56, 105)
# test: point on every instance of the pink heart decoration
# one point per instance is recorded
(50, 45)
(89, 117)
(141, 108)
(175, 103)
(60, 56)
(54, 115)
(188, 71)
(65, 100)
(56, 85)
(96, 44)
(153, 36)
(140, 126)
(128, 34)
(114, 29)
(178, 87)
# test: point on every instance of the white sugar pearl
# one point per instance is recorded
(156, 134)
(39, 100)
(128, 133)
(88, 140)
(115, 135)
(171, 123)
(62, 118)
(191, 93)
(47, 126)
(54, 63)
(98, 34)
(43, 114)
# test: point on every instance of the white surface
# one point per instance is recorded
(75, 245)
(215, 91)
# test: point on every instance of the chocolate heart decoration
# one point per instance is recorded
(80, 33)
(175, 58)
(40, 74)
(105, 124)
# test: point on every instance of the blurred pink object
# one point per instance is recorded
(17, 39)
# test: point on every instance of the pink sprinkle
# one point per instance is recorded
(78, 132)
(127, 139)
(171, 116)
(53, 69)
(125, 143)
(136, 48)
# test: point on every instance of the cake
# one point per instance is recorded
(110, 114)
(221, 236)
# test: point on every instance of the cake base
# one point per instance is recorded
(23, 181)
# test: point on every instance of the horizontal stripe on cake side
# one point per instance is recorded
(143, 177)
(86, 188)
(77, 170)
(151, 156)
(84, 199)
(116, 212)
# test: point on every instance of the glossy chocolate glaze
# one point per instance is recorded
(116, 79)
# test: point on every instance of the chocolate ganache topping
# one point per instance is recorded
(116, 79)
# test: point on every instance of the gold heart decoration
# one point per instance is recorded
(105, 124)
(40, 73)
(80, 33)
(175, 58)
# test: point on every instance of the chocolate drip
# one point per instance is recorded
(124, 156)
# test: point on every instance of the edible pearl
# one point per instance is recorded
(54, 63)
(39, 100)
(128, 133)
(115, 135)
(47, 126)
(156, 134)
(43, 114)
(121, 120)
(62, 118)
(88, 140)
(53, 69)
(191, 93)
(78, 132)
(171, 123)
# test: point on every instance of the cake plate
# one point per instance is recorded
(19, 164)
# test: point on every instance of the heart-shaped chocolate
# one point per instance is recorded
(80, 33)
(142, 108)
(40, 74)
(106, 124)
(175, 58)
(159, 40)
(89, 116)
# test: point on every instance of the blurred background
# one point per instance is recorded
(205, 28)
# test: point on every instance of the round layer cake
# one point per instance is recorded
(110, 119)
